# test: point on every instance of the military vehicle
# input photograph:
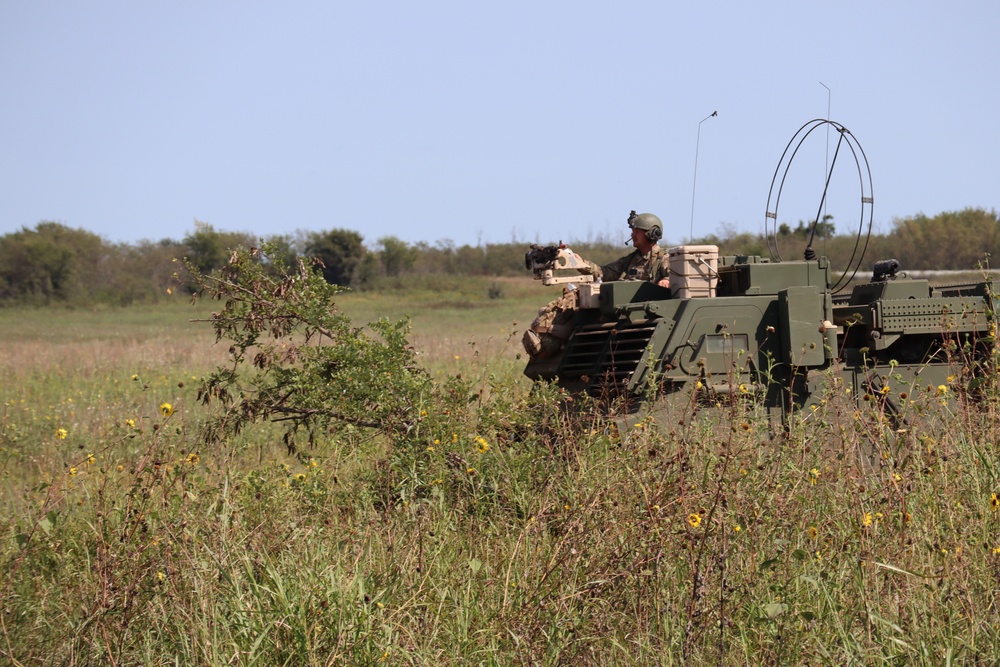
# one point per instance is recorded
(777, 332)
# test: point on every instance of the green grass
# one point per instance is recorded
(542, 538)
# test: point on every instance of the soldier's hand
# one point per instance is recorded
(664, 282)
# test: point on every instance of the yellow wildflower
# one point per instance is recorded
(61, 433)
(166, 409)
(942, 390)
(866, 519)
(814, 475)
(694, 520)
(812, 532)
(482, 445)
(72, 472)
(130, 423)
(193, 458)
(994, 502)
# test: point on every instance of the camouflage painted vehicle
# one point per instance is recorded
(778, 332)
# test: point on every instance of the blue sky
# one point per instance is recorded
(477, 123)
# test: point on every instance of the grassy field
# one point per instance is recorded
(528, 536)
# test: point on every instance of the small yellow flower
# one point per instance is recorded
(471, 471)
(312, 463)
(160, 576)
(694, 520)
(166, 409)
(996, 551)
(743, 389)
(866, 519)
(942, 390)
(91, 460)
(698, 385)
(885, 389)
(72, 472)
(130, 423)
(300, 477)
(135, 377)
(430, 448)
(482, 445)
(994, 502)
(193, 458)
(737, 528)
(814, 475)
(61, 433)
(169, 291)
(812, 532)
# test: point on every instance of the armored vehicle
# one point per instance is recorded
(777, 332)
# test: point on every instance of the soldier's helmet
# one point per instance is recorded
(647, 222)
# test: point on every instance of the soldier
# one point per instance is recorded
(647, 262)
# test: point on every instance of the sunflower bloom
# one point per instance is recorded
(694, 520)
(994, 502)
(166, 409)
(61, 433)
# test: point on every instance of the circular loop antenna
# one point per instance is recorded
(864, 183)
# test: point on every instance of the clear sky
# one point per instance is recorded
(486, 122)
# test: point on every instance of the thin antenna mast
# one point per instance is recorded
(694, 186)
(826, 167)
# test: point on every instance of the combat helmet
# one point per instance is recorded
(647, 222)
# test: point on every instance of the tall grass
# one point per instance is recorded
(545, 538)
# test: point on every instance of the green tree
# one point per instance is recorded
(339, 251)
(397, 255)
(208, 249)
(52, 262)
(297, 360)
(953, 240)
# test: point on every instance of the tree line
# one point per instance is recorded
(55, 264)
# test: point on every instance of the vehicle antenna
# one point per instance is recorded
(694, 186)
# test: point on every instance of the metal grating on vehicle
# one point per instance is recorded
(623, 350)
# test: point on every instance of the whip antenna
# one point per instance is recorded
(697, 144)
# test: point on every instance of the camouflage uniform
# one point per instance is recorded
(553, 325)
(653, 267)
